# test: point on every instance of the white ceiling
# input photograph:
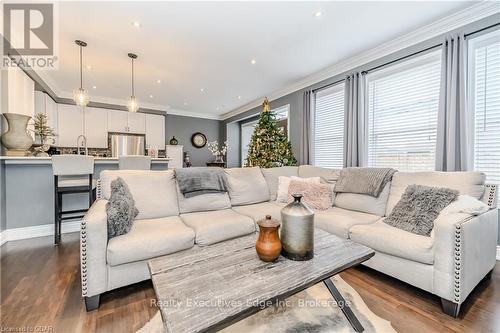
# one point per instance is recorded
(209, 45)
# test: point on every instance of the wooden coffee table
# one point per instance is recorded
(205, 289)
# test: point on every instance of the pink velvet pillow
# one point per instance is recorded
(316, 196)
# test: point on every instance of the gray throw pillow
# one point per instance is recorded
(120, 209)
(419, 207)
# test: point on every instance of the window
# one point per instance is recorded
(246, 135)
(484, 99)
(329, 127)
(248, 128)
(402, 104)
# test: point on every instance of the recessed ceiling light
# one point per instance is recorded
(202, 90)
(318, 13)
(158, 81)
(88, 67)
(94, 87)
(150, 96)
(185, 103)
(239, 97)
(253, 61)
(136, 24)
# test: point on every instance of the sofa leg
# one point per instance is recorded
(92, 303)
(450, 308)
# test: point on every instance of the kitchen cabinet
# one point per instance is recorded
(126, 122)
(155, 131)
(20, 94)
(69, 124)
(46, 105)
(96, 127)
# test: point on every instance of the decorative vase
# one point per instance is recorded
(297, 230)
(17, 140)
(219, 158)
(268, 244)
(174, 141)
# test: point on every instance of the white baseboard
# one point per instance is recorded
(37, 231)
(498, 252)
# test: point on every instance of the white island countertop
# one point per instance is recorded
(47, 160)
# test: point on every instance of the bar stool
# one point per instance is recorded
(72, 174)
(134, 162)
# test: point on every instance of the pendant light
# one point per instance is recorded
(132, 104)
(80, 95)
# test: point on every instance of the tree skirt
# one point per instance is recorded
(312, 310)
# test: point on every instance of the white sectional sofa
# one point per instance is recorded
(460, 252)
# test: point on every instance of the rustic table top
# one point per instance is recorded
(208, 288)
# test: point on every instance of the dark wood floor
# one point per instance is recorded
(40, 286)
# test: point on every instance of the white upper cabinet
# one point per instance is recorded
(45, 104)
(126, 122)
(136, 123)
(155, 131)
(96, 127)
(117, 121)
(69, 125)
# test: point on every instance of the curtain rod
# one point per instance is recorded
(328, 85)
(404, 57)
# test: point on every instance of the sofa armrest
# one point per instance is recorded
(464, 252)
(93, 245)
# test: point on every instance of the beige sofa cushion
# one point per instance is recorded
(470, 183)
(338, 221)
(202, 203)
(363, 202)
(246, 186)
(272, 174)
(154, 192)
(260, 210)
(328, 175)
(389, 240)
(148, 239)
(218, 226)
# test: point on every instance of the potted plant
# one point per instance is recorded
(45, 133)
(218, 152)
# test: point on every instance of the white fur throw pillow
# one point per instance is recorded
(284, 183)
(316, 196)
(466, 204)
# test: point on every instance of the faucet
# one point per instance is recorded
(84, 144)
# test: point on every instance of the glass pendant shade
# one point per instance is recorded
(81, 97)
(132, 104)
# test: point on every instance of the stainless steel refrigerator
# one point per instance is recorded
(127, 144)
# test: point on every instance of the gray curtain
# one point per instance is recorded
(306, 135)
(452, 145)
(354, 121)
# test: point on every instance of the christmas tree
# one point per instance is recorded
(269, 146)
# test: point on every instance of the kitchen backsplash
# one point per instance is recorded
(97, 152)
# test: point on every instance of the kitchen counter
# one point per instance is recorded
(29, 189)
(47, 160)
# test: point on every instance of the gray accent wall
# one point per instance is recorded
(184, 127)
(230, 128)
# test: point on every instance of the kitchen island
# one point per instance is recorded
(28, 193)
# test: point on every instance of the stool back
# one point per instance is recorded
(134, 162)
(72, 165)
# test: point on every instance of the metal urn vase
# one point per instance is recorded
(297, 230)
(17, 140)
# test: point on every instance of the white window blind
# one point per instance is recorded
(484, 82)
(329, 127)
(402, 114)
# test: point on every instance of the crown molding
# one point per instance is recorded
(184, 113)
(441, 26)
